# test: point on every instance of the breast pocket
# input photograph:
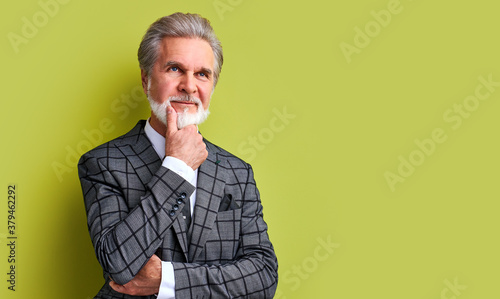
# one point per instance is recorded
(223, 242)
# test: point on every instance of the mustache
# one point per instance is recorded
(185, 98)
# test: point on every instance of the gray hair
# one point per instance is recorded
(178, 25)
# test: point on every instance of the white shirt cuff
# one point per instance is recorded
(180, 167)
(167, 286)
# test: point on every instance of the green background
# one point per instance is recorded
(322, 174)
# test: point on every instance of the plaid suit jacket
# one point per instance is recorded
(133, 204)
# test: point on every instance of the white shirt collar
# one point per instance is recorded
(157, 140)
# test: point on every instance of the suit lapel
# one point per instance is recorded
(209, 192)
(181, 233)
(140, 153)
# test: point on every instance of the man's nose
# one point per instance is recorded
(187, 84)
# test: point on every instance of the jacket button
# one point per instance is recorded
(175, 207)
(183, 195)
(179, 201)
(172, 213)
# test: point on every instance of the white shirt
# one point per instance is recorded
(167, 286)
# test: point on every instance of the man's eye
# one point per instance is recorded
(174, 69)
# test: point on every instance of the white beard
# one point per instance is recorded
(183, 118)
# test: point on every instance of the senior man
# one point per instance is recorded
(169, 213)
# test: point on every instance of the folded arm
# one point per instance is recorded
(124, 239)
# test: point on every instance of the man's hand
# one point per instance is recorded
(185, 144)
(145, 283)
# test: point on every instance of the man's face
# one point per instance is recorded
(185, 67)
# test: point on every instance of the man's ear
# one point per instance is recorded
(144, 79)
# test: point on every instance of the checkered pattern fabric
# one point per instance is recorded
(133, 206)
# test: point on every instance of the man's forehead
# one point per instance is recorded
(185, 51)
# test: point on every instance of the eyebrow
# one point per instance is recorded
(176, 63)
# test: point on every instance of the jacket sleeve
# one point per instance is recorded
(253, 273)
(124, 239)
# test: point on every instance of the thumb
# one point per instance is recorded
(171, 120)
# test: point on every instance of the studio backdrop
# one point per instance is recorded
(372, 128)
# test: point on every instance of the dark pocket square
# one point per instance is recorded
(227, 203)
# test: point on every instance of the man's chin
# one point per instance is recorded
(185, 119)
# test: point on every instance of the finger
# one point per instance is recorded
(171, 120)
(190, 128)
